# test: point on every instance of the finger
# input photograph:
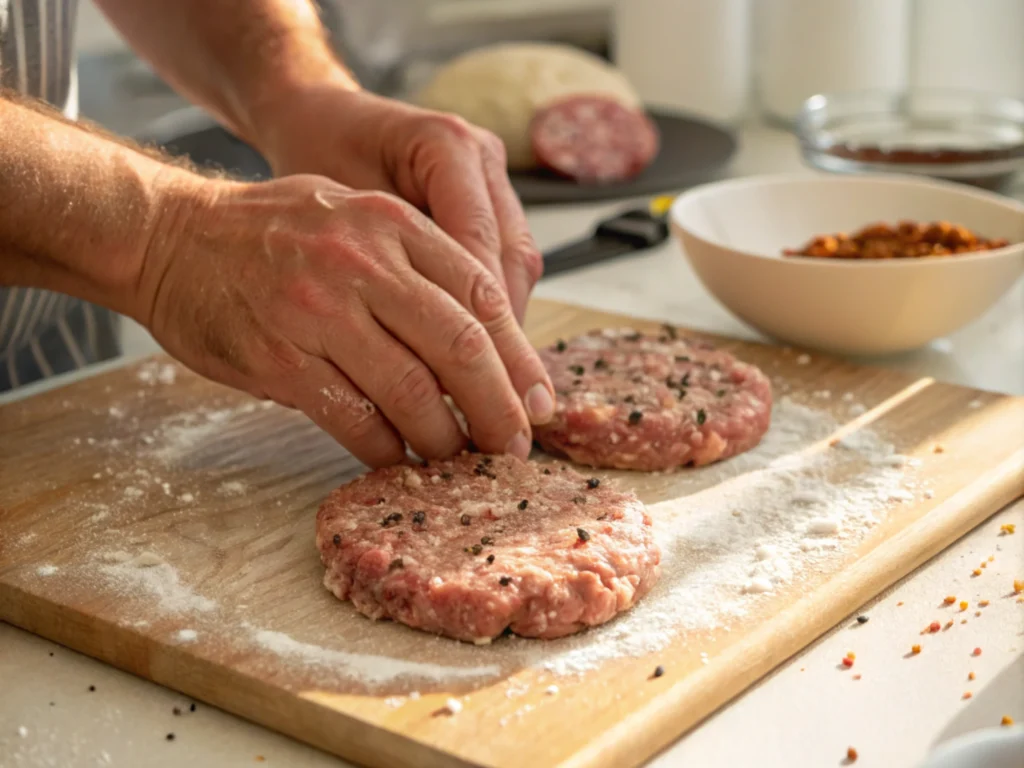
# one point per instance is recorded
(522, 263)
(459, 350)
(445, 264)
(400, 384)
(338, 407)
(458, 198)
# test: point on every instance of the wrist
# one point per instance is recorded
(180, 201)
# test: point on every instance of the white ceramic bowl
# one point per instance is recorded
(998, 747)
(733, 233)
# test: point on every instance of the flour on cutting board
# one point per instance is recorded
(732, 535)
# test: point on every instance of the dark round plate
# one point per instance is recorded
(692, 151)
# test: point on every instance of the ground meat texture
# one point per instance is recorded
(404, 553)
(629, 400)
(593, 139)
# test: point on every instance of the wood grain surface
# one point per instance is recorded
(217, 495)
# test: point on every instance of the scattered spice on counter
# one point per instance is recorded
(938, 449)
(976, 572)
(948, 624)
(983, 603)
(976, 652)
(260, 759)
(1006, 529)
(950, 599)
(977, 613)
(991, 558)
(963, 621)
(170, 737)
(899, 603)
(963, 605)
(1018, 586)
(862, 619)
(857, 677)
(967, 695)
(934, 627)
(92, 689)
(847, 662)
(971, 675)
(851, 754)
(915, 649)
(1007, 720)
(191, 707)
(176, 711)
(984, 564)
(659, 671)
(851, 655)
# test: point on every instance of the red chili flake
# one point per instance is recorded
(856, 677)
(934, 626)
(847, 661)
(976, 652)
(851, 754)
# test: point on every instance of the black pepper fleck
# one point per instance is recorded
(670, 330)
(419, 518)
(446, 475)
(720, 393)
(51, 653)
(490, 559)
(191, 707)
(681, 393)
(476, 549)
(600, 364)
(546, 472)
(396, 564)
(579, 499)
(465, 519)
(635, 416)
(560, 345)
(524, 503)
(862, 619)
(336, 539)
(505, 581)
(577, 369)
(583, 534)
(393, 519)
(702, 416)
(629, 399)
(487, 460)
(92, 688)
(170, 737)
(682, 359)
(486, 541)
(176, 711)
(659, 671)
(633, 337)
(381, 500)
(593, 483)
(685, 381)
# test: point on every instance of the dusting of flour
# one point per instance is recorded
(727, 546)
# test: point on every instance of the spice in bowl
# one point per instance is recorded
(906, 240)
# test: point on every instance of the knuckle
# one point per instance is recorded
(309, 296)
(493, 147)
(454, 127)
(470, 345)
(487, 300)
(414, 391)
(362, 425)
(480, 227)
(385, 205)
(529, 258)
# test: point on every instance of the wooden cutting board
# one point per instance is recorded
(164, 524)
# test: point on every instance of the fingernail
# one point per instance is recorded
(540, 407)
(519, 446)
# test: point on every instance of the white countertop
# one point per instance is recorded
(805, 714)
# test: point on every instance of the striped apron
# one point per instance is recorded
(44, 333)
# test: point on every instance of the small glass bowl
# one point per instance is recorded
(973, 138)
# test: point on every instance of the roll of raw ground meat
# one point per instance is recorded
(593, 139)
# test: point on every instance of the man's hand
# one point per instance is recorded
(351, 306)
(438, 162)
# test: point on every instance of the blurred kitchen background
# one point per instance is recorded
(728, 60)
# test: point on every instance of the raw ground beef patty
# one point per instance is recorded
(629, 400)
(470, 546)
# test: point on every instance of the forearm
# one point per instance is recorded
(239, 59)
(77, 209)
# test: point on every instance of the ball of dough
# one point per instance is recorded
(499, 87)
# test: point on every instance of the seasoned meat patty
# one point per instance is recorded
(477, 544)
(630, 400)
